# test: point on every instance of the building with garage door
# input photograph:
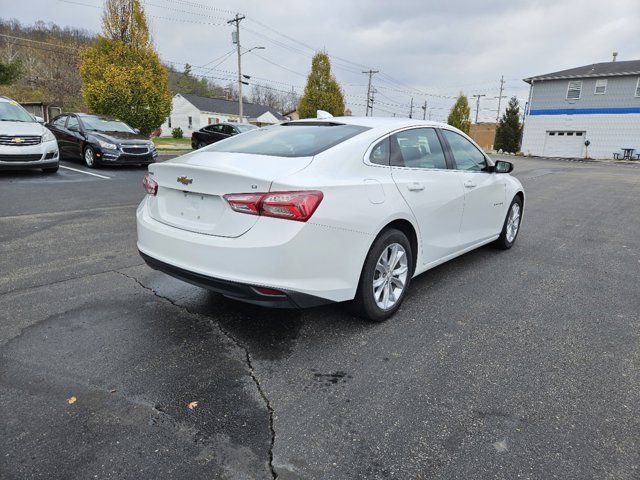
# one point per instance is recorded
(599, 103)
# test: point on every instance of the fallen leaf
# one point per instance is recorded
(192, 405)
(71, 400)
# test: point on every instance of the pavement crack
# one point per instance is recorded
(248, 361)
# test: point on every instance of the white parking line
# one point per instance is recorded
(86, 173)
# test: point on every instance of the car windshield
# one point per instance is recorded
(245, 128)
(106, 125)
(289, 140)
(13, 112)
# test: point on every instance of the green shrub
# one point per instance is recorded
(177, 132)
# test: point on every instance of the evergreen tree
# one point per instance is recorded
(10, 71)
(508, 129)
(460, 115)
(186, 82)
(122, 74)
(322, 91)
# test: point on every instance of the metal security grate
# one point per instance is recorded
(20, 140)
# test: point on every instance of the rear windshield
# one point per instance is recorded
(292, 140)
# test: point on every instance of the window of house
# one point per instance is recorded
(560, 134)
(169, 122)
(574, 89)
(551, 134)
(638, 88)
(601, 86)
(190, 122)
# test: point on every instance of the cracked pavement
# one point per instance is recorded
(499, 365)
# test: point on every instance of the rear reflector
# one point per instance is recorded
(298, 206)
(150, 185)
(269, 291)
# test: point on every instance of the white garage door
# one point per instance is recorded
(565, 144)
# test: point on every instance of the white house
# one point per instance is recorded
(192, 112)
(592, 111)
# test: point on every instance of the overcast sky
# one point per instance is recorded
(426, 49)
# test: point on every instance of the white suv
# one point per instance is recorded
(24, 142)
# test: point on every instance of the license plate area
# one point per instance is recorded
(193, 211)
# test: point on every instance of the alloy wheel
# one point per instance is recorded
(390, 276)
(513, 222)
(88, 157)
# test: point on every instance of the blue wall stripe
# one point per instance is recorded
(584, 111)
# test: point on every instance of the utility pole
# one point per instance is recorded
(411, 109)
(424, 110)
(500, 97)
(238, 18)
(373, 96)
(477, 97)
(369, 99)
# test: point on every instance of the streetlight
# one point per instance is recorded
(253, 48)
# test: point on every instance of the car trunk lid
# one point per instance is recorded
(191, 189)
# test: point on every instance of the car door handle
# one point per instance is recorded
(470, 184)
(415, 186)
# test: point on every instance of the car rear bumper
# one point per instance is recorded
(301, 259)
(237, 291)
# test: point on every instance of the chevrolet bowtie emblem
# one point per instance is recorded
(185, 180)
(18, 140)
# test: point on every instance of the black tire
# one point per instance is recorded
(50, 169)
(503, 242)
(95, 162)
(364, 304)
(200, 145)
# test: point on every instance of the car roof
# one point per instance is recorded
(375, 122)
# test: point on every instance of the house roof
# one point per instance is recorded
(221, 105)
(606, 69)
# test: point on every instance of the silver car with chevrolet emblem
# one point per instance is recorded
(24, 142)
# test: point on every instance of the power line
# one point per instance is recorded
(39, 42)
(278, 65)
(172, 19)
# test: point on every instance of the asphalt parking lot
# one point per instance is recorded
(517, 364)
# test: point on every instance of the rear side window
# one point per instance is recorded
(59, 122)
(289, 140)
(72, 124)
(380, 153)
(418, 148)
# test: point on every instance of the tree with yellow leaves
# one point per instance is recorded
(122, 74)
(322, 91)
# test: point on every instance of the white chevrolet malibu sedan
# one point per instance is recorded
(316, 211)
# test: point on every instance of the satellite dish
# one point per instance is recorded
(321, 115)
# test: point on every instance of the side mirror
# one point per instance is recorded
(502, 166)
(137, 130)
(38, 119)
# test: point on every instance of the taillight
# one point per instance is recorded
(150, 185)
(297, 206)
